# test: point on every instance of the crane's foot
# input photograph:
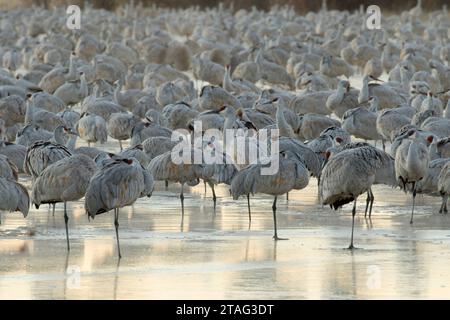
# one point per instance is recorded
(276, 238)
(351, 247)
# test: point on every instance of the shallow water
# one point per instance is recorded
(216, 256)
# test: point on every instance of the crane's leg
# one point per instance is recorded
(444, 204)
(204, 183)
(414, 202)
(66, 220)
(166, 183)
(120, 145)
(287, 196)
(54, 205)
(384, 144)
(367, 203)
(182, 202)
(274, 210)
(372, 199)
(214, 194)
(116, 224)
(353, 224)
(249, 212)
(89, 144)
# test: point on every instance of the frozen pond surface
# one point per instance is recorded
(216, 256)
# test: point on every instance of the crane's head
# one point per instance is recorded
(71, 131)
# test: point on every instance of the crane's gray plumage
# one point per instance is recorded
(444, 186)
(92, 128)
(349, 174)
(62, 181)
(117, 184)
(13, 196)
(291, 174)
(15, 152)
(42, 154)
(8, 169)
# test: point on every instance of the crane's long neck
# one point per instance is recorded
(340, 93)
(364, 92)
(29, 113)
(136, 135)
(284, 127)
(58, 135)
(83, 86)
(227, 83)
(404, 79)
(71, 142)
(71, 75)
(414, 159)
(229, 120)
(117, 93)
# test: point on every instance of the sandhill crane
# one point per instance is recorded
(272, 72)
(411, 163)
(179, 115)
(388, 121)
(136, 152)
(12, 110)
(120, 126)
(291, 175)
(212, 98)
(237, 86)
(47, 101)
(347, 175)
(311, 102)
(442, 148)
(311, 125)
(336, 133)
(13, 197)
(92, 128)
(144, 130)
(144, 104)
(116, 185)
(387, 96)
(206, 70)
(58, 76)
(30, 134)
(70, 117)
(431, 103)
(334, 66)
(438, 126)
(42, 118)
(168, 93)
(247, 70)
(429, 184)
(43, 153)
(361, 123)
(163, 168)
(73, 92)
(8, 169)
(342, 99)
(444, 186)
(62, 181)
(126, 98)
(385, 173)
(15, 153)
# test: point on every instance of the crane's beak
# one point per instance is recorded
(376, 79)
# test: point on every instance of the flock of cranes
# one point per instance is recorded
(140, 73)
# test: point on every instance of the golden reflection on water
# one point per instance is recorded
(216, 256)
